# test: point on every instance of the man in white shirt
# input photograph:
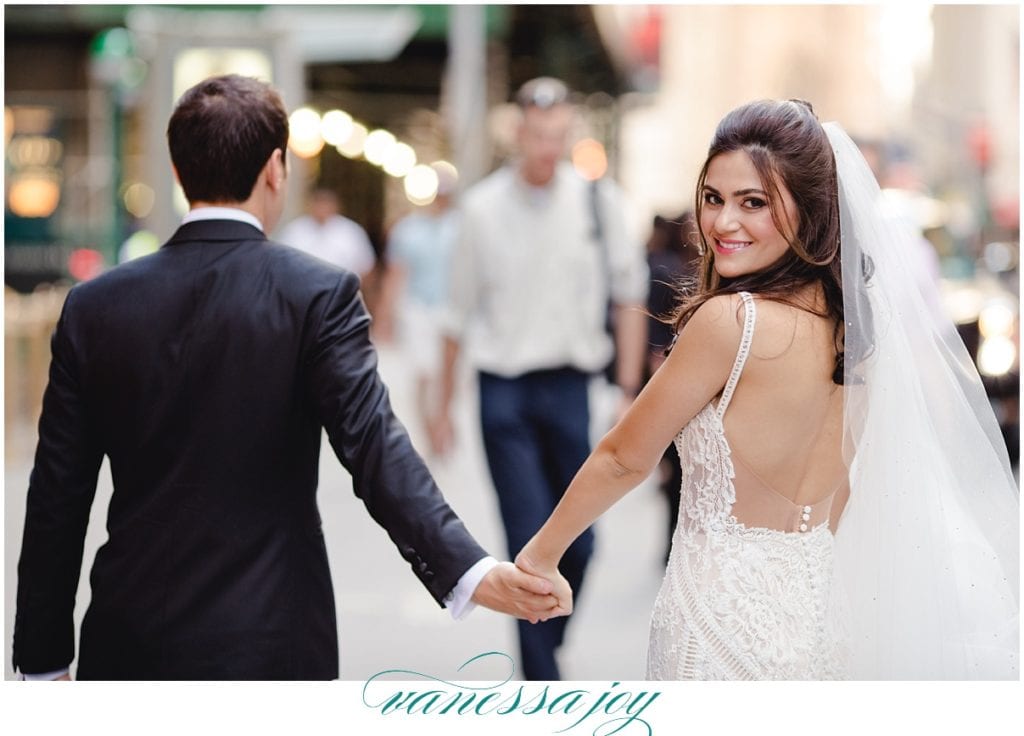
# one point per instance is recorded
(538, 258)
(330, 236)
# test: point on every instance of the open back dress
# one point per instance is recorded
(748, 592)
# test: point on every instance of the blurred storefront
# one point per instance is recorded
(89, 89)
(58, 150)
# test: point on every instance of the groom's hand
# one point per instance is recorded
(507, 589)
(560, 587)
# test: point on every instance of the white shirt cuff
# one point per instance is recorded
(459, 600)
(46, 675)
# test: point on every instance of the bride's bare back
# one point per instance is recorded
(784, 424)
(746, 593)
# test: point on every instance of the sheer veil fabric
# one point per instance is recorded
(927, 549)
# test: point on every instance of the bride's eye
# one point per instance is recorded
(712, 198)
(754, 203)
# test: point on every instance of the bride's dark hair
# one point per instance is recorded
(787, 144)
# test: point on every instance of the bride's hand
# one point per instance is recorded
(561, 591)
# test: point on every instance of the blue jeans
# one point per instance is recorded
(536, 436)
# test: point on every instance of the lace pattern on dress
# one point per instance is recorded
(740, 602)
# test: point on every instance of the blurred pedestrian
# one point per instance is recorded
(534, 271)
(416, 286)
(672, 260)
(329, 235)
(209, 395)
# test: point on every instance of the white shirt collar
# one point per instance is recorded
(222, 213)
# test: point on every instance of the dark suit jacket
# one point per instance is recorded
(205, 372)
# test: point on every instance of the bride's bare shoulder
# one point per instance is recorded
(782, 327)
(717, 326)
(719, 312)
(712, 334)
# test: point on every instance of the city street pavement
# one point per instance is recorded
(386, 619)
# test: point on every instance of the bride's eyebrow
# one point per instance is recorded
(738, 192)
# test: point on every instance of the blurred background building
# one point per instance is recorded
(88, 90)
(381, 92)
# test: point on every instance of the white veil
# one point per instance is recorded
(927, 547)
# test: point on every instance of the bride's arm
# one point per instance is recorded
(694, 372)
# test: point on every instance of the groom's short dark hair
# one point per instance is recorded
(221, 133)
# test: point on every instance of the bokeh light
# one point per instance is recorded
(305, 139)
(85, 263)
(33, 195)
(139, 199)
(996, 320)
(400, 160)
(352, 147)
(34, 150)
(336, 127)
(140, 243)
(378, 146)
(996, 356)
(421, 185)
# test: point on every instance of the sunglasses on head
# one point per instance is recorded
(543, 92)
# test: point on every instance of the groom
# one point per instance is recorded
(205, 373)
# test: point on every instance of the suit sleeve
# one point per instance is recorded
(60, 495)
(387, 473)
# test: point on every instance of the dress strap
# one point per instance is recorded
(750, 317)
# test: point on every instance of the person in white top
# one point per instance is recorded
(538, 258)
(330, 236)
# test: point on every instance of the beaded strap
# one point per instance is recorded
(749, 318)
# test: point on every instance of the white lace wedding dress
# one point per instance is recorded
(751, 600)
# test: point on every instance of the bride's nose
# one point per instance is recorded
(726, 221)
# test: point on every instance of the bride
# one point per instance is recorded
(848, 509)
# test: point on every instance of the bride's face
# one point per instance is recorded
(736, 220)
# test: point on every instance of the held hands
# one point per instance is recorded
(508, 589)
(560, 589)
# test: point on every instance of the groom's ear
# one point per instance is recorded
(274, 171)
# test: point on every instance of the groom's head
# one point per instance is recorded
(221, 135)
